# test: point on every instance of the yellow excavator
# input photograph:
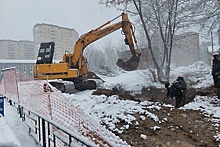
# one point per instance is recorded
(73, 68)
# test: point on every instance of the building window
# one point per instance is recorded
(31, 71)
(24, 69)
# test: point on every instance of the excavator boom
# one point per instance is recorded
(104, 30)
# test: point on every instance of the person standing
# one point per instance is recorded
(216, 69)
(216, 72)
(175, 91)
(183, 87)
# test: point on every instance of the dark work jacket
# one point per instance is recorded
(174, 90)
(215, 66)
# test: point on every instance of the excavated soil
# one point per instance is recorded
(180, 128)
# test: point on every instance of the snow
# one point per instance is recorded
(130, 81)
(110, 110)
(13, 132)
(215, 48)
(7, 137)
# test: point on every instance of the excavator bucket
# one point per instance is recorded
(129, 65)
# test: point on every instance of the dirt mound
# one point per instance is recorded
(207, 91)
(176, 128)
(122, 94)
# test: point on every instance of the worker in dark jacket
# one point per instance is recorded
(183, 86)
(175, 91)
(216, 72)
(216, 69)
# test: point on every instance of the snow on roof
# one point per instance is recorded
(22, 61)
(17, 61)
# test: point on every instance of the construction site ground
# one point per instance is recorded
(182, 128)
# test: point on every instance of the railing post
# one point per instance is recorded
(44, 133)
(29, 113)
(48, 131)
(23, 118)
(23, 114)
(20, 111)
(39, 129)
(54, 140)
(10, 102)
(70, 140)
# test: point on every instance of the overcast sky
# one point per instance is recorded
(17, 17)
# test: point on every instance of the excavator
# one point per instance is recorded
(72, 70)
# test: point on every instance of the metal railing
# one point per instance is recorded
(40, 128)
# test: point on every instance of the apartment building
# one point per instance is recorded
(186, 49)
(23, 66)
(64, 38)
(18, 50)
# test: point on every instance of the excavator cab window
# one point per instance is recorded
(45, 54)
(67, 60)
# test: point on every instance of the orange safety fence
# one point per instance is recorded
(30, 94)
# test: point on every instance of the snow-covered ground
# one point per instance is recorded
(13, 132)
(7, 136)
(110, 109)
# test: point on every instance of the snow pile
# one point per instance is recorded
(130, 81)
(208, 106)
(217, 137)
(111, 110)
(198, 73)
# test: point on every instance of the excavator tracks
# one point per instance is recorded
(73, 85)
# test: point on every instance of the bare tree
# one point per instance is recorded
(110, 53)
(160, 20)
(102, 59)
(95, 58)
(206, 13)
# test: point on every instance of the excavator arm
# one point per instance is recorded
(77, 60)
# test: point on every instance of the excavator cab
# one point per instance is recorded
(45, 53)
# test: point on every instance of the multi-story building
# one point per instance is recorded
(64, 38)
(23, 66)
(186, 49)
(18, 50)
(204, 56)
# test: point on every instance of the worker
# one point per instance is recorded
(175, 91)
(183, 86)
(216, 69)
